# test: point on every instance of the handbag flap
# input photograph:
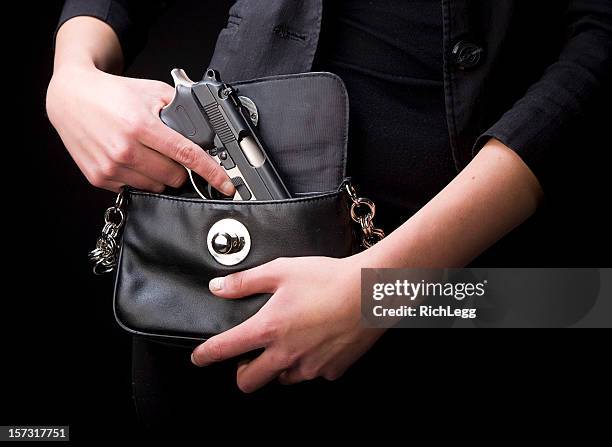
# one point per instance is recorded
(303, 122)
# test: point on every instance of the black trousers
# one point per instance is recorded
(173, 396)
(403, 367)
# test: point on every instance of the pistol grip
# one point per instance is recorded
(183, 115)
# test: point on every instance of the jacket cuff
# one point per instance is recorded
(532, 134)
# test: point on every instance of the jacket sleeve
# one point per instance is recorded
(547, 115)
(130, 19)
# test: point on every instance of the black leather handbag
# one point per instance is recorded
(161, 245)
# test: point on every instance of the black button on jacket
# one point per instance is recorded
(523, 72)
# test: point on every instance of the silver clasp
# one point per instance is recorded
(105, 255)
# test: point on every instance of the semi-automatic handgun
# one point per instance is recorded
(211, 114)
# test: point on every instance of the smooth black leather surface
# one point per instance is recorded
(165, 266)
(161, 287)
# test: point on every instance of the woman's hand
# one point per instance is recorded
(111, 127)
(311, 326)
(110, 124)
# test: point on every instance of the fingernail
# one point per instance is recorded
(227, 188)
(215, 284)
(193, 360)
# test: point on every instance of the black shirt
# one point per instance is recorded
(534, 75)
(530, 74)
(389, 54)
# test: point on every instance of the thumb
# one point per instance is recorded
(162, 94)
(261, 279)
(166, 93)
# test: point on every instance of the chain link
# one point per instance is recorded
(105, 255)
(362, 212)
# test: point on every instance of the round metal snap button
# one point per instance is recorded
(228, 241)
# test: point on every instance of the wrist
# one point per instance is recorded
(81, 64)
(87, 43)
(374, 257)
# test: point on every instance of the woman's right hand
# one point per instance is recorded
(111, 127)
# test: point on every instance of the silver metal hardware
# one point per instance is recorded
(252, 108)
(228, 241)
(180, 78)
(362, 212)
(252, 152)
(226, 92)
(105, 255)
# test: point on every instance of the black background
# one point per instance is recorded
(66, 362)
(71, 362)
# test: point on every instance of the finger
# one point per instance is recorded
(111, 186)
(257, 373)
(156, 166)
(302, 374)
(291, 377)
(245, 337)
(166, 94)
(182, 150)
(119, 178)
(162, 93)
(117, 186)
(126, 176)
(264, 278)
(88, 164)
(243, 363)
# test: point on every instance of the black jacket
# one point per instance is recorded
(524, 72)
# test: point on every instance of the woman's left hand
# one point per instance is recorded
(311, 326)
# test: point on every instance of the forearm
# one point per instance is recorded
(88, 42)
(495, 193)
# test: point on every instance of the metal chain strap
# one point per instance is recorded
(362, 212)
(105, 255)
